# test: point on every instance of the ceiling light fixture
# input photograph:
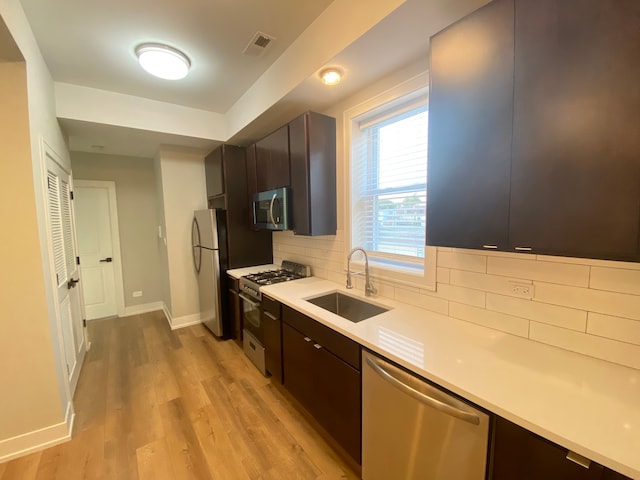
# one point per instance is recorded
(331, 76)
(163, 61)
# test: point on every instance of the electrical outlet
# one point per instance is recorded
(137, 294)
(520, 289)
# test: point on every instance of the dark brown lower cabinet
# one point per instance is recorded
(523, 455)
(272, 324)
(328, 387)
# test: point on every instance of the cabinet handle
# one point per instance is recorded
(579, 459)
(492, 247)
(318, 346)
(523, 249)
(307, 339)
(270, 315)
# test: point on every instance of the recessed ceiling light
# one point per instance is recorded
(163, 61)
(331, 76)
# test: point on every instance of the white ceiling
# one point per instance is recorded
(92, 44)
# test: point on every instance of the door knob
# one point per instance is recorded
(72, 283)
(107, 260)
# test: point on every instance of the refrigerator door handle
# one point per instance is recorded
(195, 245)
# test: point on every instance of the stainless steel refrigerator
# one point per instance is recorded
(209, 247)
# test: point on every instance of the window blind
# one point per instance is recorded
(57, 233)
(389, 177)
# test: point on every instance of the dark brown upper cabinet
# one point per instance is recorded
(312, 142)
(226, 180)
(575, 174)
(267, 165)
(272, 160)
(566, 122)
(470, 119)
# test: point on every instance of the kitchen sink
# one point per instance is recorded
(351, 308)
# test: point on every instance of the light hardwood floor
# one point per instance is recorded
(157, 404)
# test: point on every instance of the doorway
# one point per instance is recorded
(99, 248)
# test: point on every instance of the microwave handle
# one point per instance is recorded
(271, 210)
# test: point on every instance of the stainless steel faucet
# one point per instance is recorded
(368, 286)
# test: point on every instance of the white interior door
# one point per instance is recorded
(93, 208)
(62, 236)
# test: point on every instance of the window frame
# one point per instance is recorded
(414, 273)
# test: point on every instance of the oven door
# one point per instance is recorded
(251, 317)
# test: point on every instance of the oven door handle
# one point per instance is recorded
(249, 300)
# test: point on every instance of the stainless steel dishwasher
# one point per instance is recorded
(412, 430)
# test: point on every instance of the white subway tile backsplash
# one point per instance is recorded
(285, 249)
(609, 303)
(462, 261)
(590, 262)
(563, 273)
(443, 275)
(333, 276)
(615, 280)
(499, 321)
(324, 254)
(616, 328)
(571, 295)
(540, 312)
(427, 302)
(604, 348)
(482, 281)
(325, 244)
(468, 296)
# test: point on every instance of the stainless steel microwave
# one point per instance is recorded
(271, 209)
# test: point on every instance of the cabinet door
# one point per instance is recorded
(326, 386)
(272, 160)
(270, 316)
(312, 142)
(214, 173)
(298, 355)
(246, 246)
(519, 454)
(470, 126)
(338, 390)
(576, 149)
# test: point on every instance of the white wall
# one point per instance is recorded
(34, 410)
(183, 191)
(588, 306)
(136, 195)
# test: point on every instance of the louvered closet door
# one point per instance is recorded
(62, 237)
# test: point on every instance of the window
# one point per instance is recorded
(388, 184)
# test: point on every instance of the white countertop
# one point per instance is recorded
(589, 406)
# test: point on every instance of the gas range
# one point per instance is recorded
(250, 284)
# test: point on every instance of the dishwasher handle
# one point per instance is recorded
(421, 397)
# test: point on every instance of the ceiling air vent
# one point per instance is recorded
(258, 44)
